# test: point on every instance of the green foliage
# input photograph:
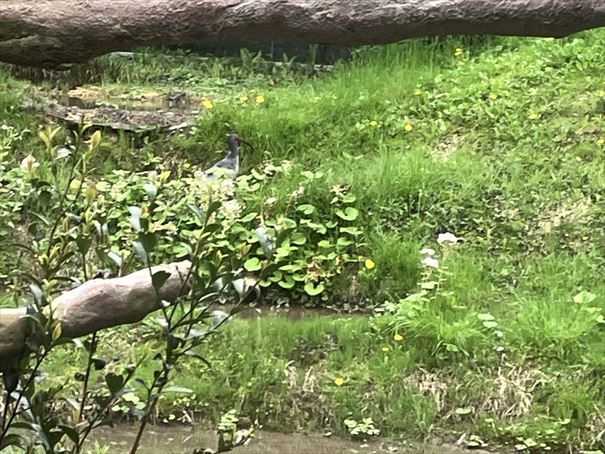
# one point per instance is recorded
(10, 201)
(72, 234)
(434, 316)
(363, 428)
(499, 140)
(313, 246)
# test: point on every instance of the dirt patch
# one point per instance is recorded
(445, 149)
(136, 111)
(89, 94)
(121, 119)
(568, 212)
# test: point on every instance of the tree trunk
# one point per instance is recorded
(49, 33)
(94, 305)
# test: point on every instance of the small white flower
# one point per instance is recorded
(63, 153)
(231, 208)
(29, 163)
(297, 193)
(286, 165)
(270, 201)
(427, 251)
(448, 238)
(430, 262)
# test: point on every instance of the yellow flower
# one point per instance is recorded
(493, 96)
(373, 123)
(385, 349)
(601, 140)
(339, 381)
(398, 337)
(243, 98)
(260, 99)
(207, 103)
(458, 51)
(533, 116)
(164, 175)
(418, 92)
(369, 263)
(408, 127)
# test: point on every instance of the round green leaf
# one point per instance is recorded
(287, 283)
(349, 214)
(351, 230)
(343, 242)
(349, 198)
(312, 290)
(306, 208)
(252, 264)
(584, 298)
(249, 217)
(298, 238)
(324, 244)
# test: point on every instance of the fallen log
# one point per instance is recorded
(95, 305)
(51, 33)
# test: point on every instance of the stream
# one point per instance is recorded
(184, 439)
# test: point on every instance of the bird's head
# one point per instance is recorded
(235, 140)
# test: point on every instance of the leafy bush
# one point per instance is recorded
(73, 247)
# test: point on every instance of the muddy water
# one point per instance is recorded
(182, 439)
(94, 97)
(293, 313)
(159, 103)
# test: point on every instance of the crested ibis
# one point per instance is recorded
(228, 166)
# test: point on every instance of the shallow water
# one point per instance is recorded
(293, 313)
(183, 439)
(157, 104)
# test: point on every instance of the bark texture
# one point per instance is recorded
(49, 33)
(93, 306)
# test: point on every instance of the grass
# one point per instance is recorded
(504, 148)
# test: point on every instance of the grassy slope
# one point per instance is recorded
(504, 151)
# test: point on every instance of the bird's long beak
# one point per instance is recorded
(246, 143)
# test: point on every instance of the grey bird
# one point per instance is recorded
(228, 167)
